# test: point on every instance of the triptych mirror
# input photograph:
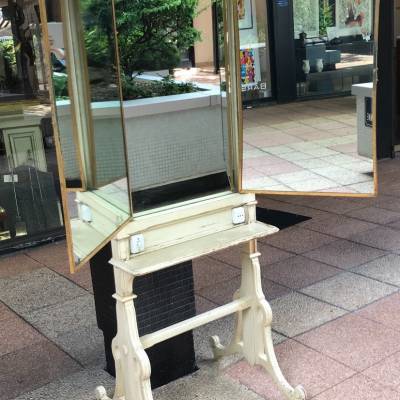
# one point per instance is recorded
(140, 127)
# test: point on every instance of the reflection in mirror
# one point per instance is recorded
(72, 167)
(320, 139)
(175, 114)
(30, 209)
(89, 122)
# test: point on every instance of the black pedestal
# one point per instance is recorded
(164, 298)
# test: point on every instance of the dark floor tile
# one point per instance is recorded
(223, 292)
(340, 226)
(298, 240)
(381, 238)
(17, 264)
(354, 341)
(208, 271)
(345, 254)
(269, 255)
(375, 215)
(33, 367)
(16, 334)
(298, 272)
(203, 305)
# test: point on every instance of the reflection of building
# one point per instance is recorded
(29, 185)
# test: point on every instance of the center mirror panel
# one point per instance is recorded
(308, 96)
(175, 115)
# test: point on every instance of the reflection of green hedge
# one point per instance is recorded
(60, 85)
(7, 51)
(141, 89)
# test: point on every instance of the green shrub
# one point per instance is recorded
(141, 89)
(60, 84)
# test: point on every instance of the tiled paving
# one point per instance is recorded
(333, 283)
(308, 146)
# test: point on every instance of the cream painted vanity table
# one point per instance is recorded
(183, 215)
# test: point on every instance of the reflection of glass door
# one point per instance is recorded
(255, 50)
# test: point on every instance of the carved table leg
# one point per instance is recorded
(133, 368)
(236, 345)
(253, 337)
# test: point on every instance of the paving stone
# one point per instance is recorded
(359, 387)
(55, 257)
(385, 311)
(78, 386)
(84, 344)
(55, 320)
(349, 291)
(17, 264)
(32, 367)
(340, 226)
(300, 365)
(203, 305)
(208, 271)
(38, 289)
(385, 269)
(333, 205)
(16, 334)
(295, 314)
(375, 215)
(298, 240)
(269, 255)
(386, 372)
(223, 328)
(381, 238)
(345, 254)
(223, 292)
(208, 383)
(5, 313)
(298, 272)
(354, 341)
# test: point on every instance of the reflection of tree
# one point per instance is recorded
(306, 16)
(23, 15)
(152, 33)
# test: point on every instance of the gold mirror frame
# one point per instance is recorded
(76, 113)
(234, 46)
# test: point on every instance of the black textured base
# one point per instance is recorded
(164, 298)
(279, 219)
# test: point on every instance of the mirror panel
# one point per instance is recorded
(308, 112)
(175, 115)
(89, 123)
(30, 194)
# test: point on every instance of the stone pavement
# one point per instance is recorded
(333, 282)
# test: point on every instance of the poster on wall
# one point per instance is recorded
(250, 67)
(354, 17)
(306, 17)
(245, 14)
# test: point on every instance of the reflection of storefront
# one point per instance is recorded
(331, 48)
(30, 209)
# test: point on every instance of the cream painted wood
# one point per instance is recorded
(253, 337)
